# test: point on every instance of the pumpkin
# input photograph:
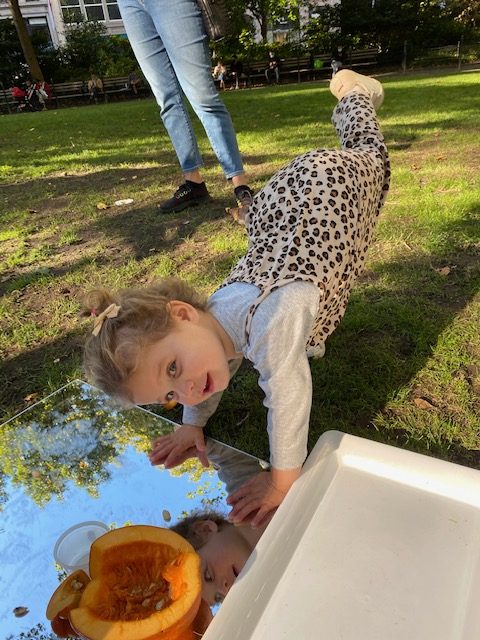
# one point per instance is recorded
(145, 585)
(67, 596)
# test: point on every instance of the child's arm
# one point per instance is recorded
(260, 495)
(187, 441)
(279, 332)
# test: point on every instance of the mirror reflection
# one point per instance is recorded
(75, 457)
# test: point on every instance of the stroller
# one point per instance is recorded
(26, 98)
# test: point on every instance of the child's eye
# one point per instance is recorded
(172, 368)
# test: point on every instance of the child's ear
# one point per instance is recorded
(203, 529)
(180, 310)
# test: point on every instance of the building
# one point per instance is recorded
(50, 16)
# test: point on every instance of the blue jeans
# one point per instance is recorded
(169, 41)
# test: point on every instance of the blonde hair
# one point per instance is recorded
(111, 357)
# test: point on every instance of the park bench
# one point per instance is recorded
(68, 91)
(115, 86)
(294, 69)
(8, 104)
(291, 69)
(362, 58)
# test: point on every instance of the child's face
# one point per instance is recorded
(223, 556)
(187, 366)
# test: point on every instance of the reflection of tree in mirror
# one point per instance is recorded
(38, 632)
(71, 436)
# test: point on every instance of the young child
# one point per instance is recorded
(223, 549)
(309, 230)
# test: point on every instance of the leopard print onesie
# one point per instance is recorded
(314, 219)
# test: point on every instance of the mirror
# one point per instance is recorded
(74, 457)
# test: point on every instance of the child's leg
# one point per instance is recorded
(355, 119)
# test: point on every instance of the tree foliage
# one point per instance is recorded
(350, 24)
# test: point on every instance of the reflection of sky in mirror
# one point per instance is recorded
(112, 481)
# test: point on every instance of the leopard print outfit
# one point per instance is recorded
(314, 220)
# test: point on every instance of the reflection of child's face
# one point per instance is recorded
(187, 366)
(223, 557)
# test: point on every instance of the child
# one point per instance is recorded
(223, 549)
(219, 73)
(309, 230)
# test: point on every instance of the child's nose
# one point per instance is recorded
(186, 388)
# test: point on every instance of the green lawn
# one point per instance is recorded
(404, 366)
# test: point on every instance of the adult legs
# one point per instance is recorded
(170, 44)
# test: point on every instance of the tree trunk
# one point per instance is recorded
(264, 27)
(24, 37)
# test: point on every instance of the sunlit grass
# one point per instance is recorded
(411, 328)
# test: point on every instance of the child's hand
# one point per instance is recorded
(260, 495)
(185, 442)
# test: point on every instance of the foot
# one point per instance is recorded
(345, 81)
(189, 194)
(244, 195)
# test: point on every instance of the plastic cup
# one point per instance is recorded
(72, 549)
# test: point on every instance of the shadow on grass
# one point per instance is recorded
(392, 324)
(46, 367)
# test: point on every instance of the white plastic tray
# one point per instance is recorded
(372, 542)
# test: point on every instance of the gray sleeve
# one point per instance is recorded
(200, 413)
(280, 329)
(233, 467)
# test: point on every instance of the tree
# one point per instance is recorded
(466, 12)
(11, 55)
(322, 34)
(265, 11)
(24, 37)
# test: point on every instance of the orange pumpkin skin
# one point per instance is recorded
(67, 595)
(62, 628)
(146, 585)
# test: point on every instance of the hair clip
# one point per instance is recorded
(111, 311)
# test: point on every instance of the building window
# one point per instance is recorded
(94, 9)
(113, 10)
(71, 11)
(101, 10)
(38, 27)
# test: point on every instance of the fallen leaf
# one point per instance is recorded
(102, 205)
(414, 167)
(421, 403)
(122, 179)
(31, 397)
(443, 271)
(166, 515)
(134, 177)
(56, 360)
(119, 203)
(32, 129)
(32, 210)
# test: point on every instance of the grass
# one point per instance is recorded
(402, 368)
